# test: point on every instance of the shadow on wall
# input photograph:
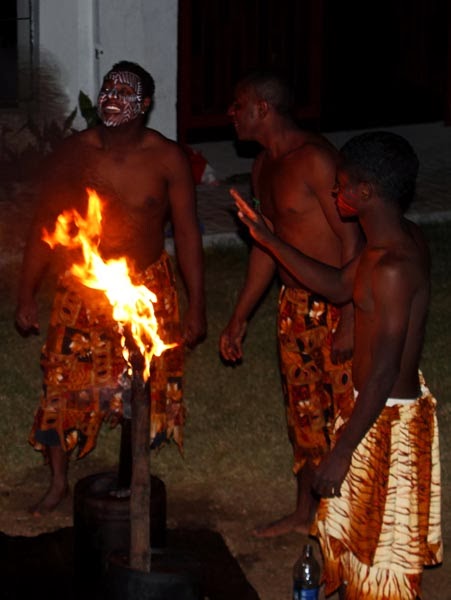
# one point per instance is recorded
(29, 133)
(49, 99)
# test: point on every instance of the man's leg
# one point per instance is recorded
(59, 486)
(301, 519)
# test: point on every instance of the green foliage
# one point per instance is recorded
(87, 110)
(20, 161)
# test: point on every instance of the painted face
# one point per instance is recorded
(120, 98)
(244, 113)
(346, 194)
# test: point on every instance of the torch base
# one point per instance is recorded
(102, 522)
(173, 575)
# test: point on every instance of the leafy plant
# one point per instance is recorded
(88, 110)
(20, 162)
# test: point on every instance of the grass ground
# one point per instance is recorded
(236, 471)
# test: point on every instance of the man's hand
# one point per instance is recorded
(27, 316)
(194, 326)
(255, 222)
(342, 343)
(231, 340)
(329, 475)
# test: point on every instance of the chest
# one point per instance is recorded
(283, 191)
(134, 178)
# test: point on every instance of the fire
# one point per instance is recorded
(132, 304)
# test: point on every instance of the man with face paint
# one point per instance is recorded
(143, 179)
(120, 99)
(379, 518)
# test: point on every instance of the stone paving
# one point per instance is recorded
(431, 141)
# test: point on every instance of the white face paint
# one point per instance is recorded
(120, 99)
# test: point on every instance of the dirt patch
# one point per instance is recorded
(232, 513)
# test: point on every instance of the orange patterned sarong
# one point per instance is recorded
(378, 536)
(85, 374)
(314, 388)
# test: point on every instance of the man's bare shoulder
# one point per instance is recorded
(153, 139)
(405, 262)
(168, 150)
(315, 149)
(80, 141)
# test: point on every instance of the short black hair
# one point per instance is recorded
(386, 160)
(147, 80)
(272, 87)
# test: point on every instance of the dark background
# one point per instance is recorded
(384, 63)
(353, 63)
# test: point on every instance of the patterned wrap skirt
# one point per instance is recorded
(314, 388)
(85, 376)
(378, 536)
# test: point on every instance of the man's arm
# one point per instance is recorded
(36, 259)
(331, 282)
(321, 173)
(188, 244)
(261, 269)
(260, 272)
(392, 298)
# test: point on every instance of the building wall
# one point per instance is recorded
(79, 40)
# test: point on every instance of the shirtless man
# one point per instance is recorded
(143, 178)
(379, 520)
(292, 178)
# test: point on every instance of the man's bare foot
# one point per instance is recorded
(282, 526)
(49, 502)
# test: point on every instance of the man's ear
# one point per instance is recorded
(146, 105)
(263, 108)
(366, 190)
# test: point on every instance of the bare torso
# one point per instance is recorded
(285, 188)
(133, 181)
(409, 256)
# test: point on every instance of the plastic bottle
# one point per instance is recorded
(306, 576)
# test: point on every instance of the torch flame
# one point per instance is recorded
(132, 304)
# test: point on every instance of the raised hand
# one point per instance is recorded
(255, 222)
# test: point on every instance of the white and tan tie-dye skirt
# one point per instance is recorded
(378, 536)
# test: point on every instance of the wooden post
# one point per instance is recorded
(124, 474)
(140, 496)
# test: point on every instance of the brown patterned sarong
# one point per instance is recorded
(85, 374)
(314, 388)
(385, 527)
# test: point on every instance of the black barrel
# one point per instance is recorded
(102, 523)
(173, 576)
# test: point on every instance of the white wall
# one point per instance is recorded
(65, 50)
(79, 41)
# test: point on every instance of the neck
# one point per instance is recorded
(282, 137)
(382, 225)
(123, 135)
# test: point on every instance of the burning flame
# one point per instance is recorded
(132, 304)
